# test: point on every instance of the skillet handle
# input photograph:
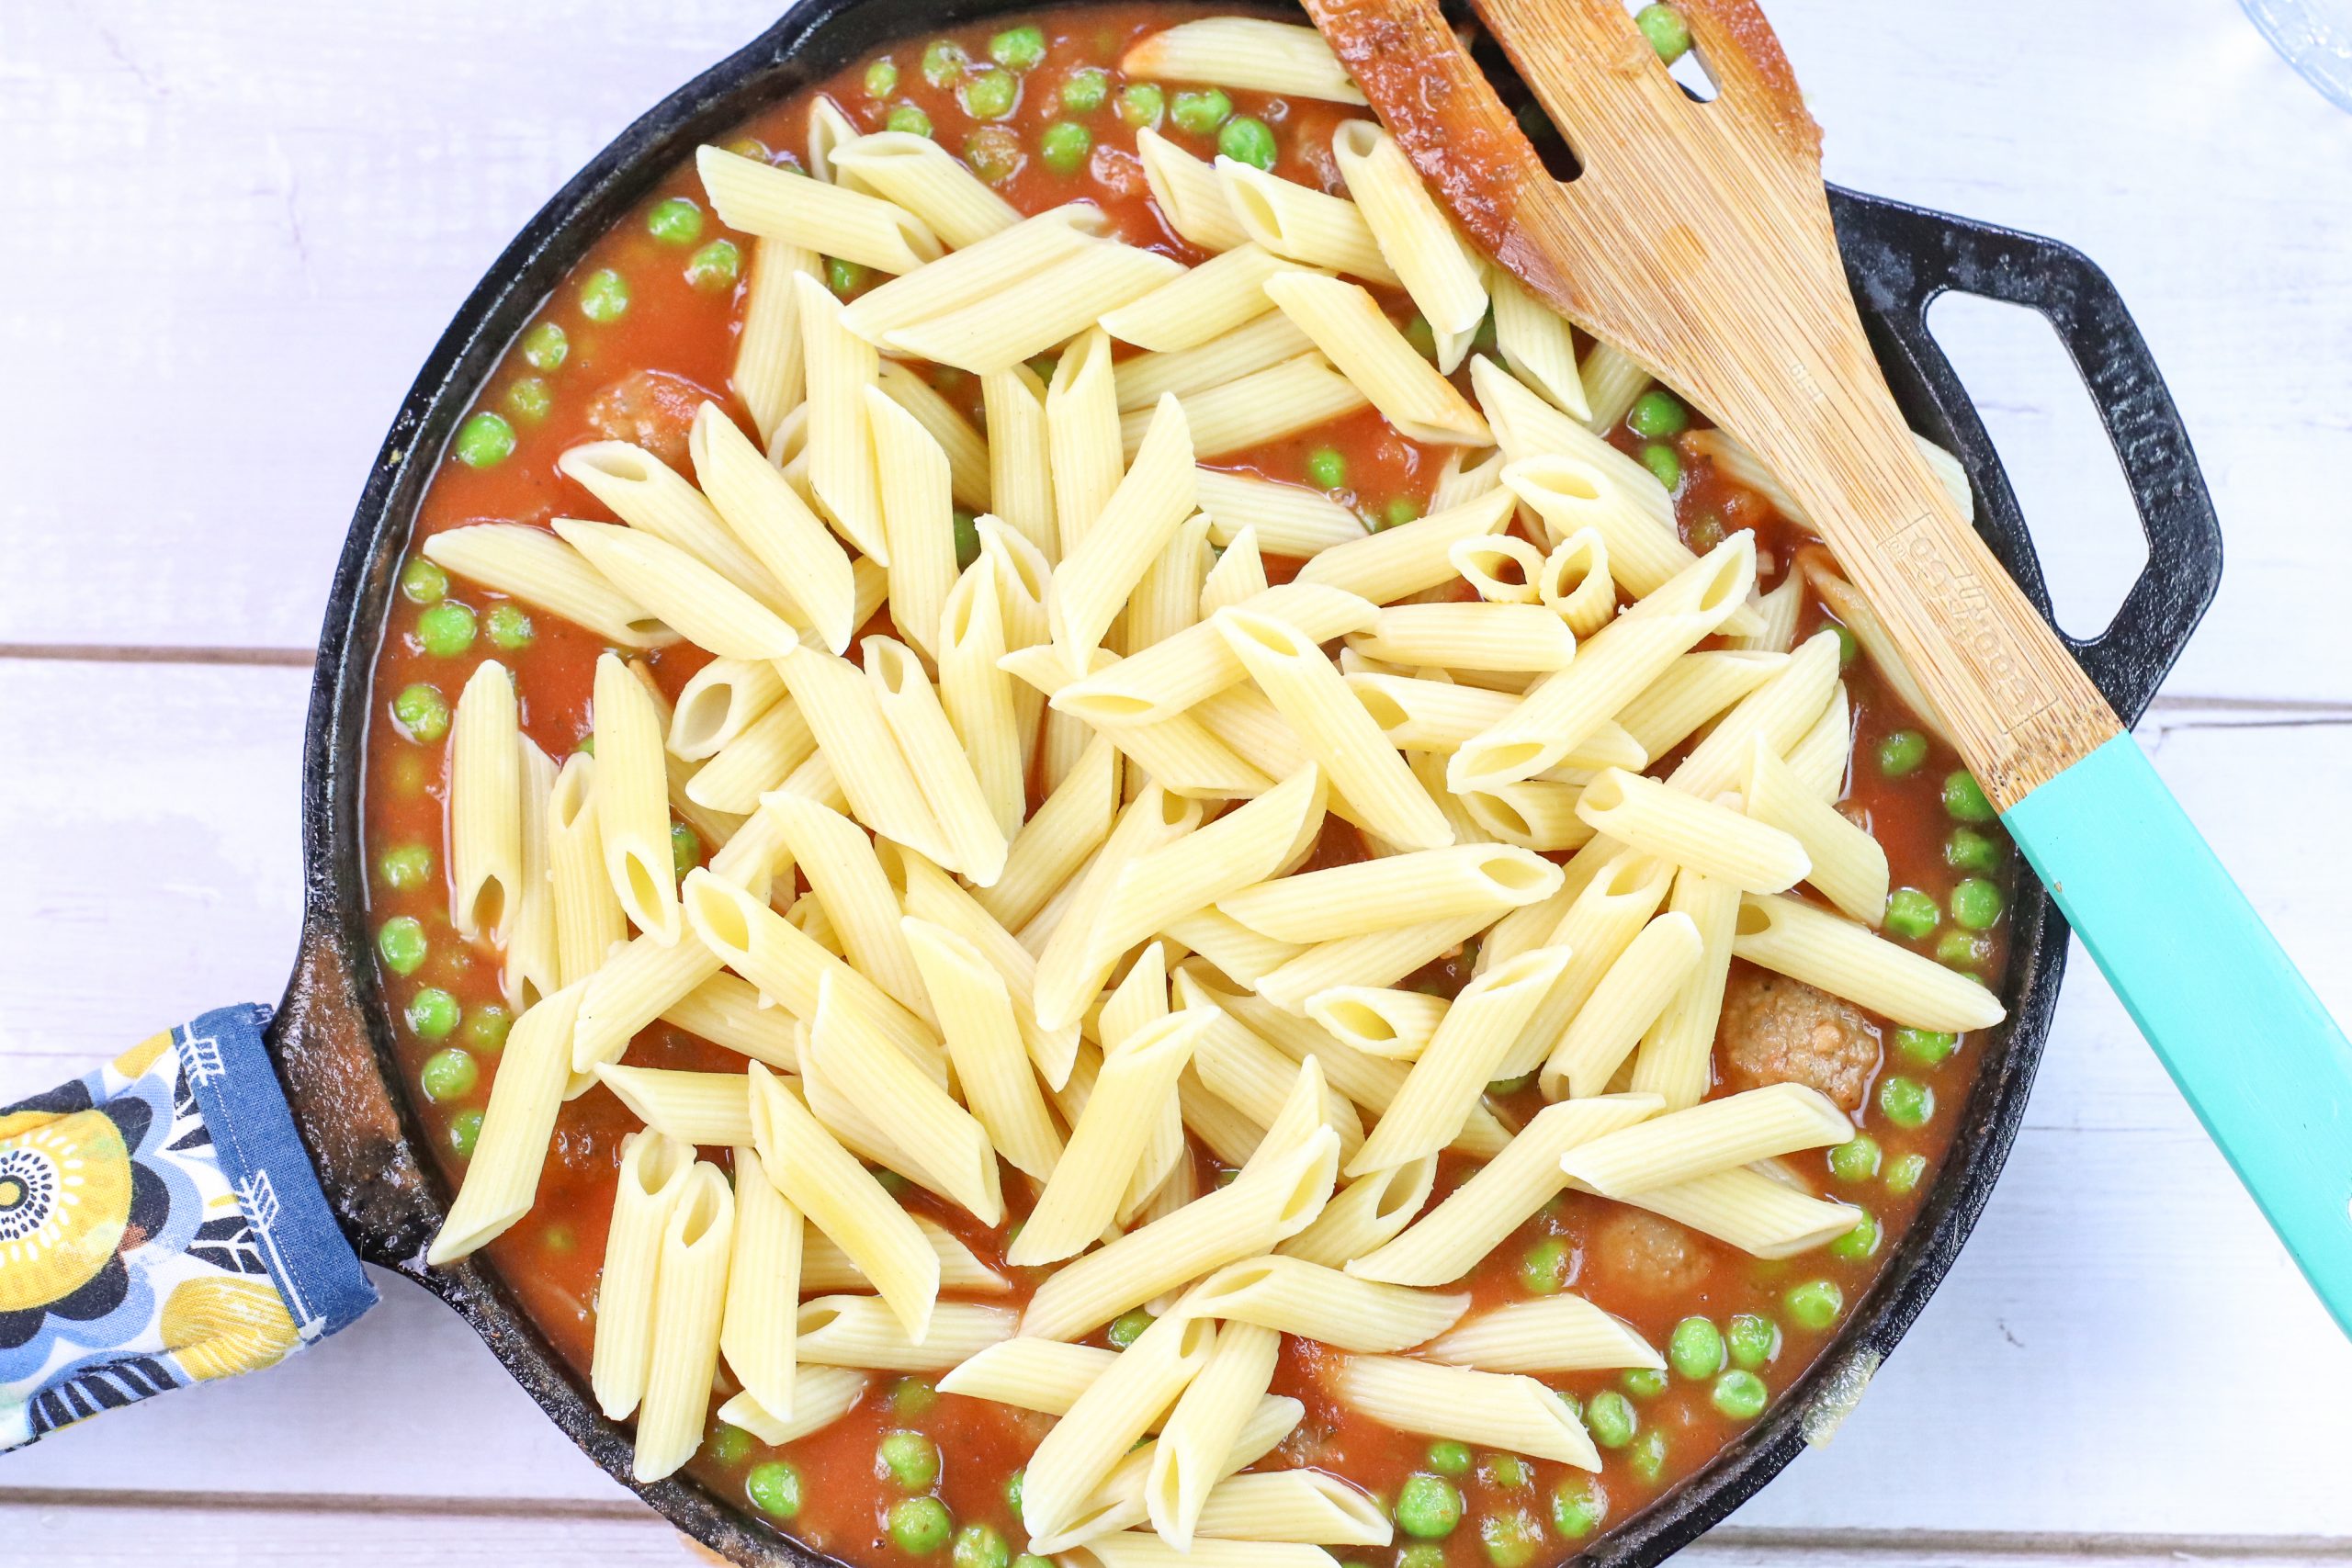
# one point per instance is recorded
(168, 1229)
(1899, 260)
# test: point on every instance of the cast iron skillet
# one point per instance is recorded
(332, 1038)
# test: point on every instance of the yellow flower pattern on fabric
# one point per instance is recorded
(220, 1327)
(64, 1201)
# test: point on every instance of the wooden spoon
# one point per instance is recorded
(1697, 238)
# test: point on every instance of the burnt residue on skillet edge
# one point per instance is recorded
(332, 1036)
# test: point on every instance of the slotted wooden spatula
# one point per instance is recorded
(1697, 238)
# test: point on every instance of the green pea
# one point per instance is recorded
(1926, 1046)
(1611, 1419)
(1695, 1349)
(1399, 511)
(1860, 1242)
(944, 61)
(1127, 1327)
(1976, 904)
(754, 148)
(912, 1396)
(844, 276)
(1906, 1102)
(1200, 112)
(1903, 1176)
(1507, 1471)
(1578, 1504)
(1030, 1559)
(400, 943)
(1018, 48)
(1855, 1159)
(1902, 752)
(729, 1445)
(907, 119)
(1012, 1490)
(464, 1131)
(1705, 533)
(1510, 1086)
(431, 1015)
(422, 582)
(1142, 104)
(881, 78)
(910, 1458)
(1911, 913)
(1741, 1395)
(1421, 335)
(773, 1489)
(1245, 138)
(978, 1546)
(558, 1239)
(1544, 1270)
(1512, 1539)
(994, 153)
(1668, 32)
(545, 345)
(1084, 89)
(1450, 1457)
(967, 539)
(676, 221)
(485, 441)
(1964, 799)
(1813, 1304)
(1963, 950)
(1661, 460)
(1752, 1340)
(604, 295)
(988, 94)
(510, 627)
(1421, 1556)
(1326, 468)
(1427, 1506)
(920, 1525)
(1648, 1460)
(528, 399)
(1848, 649)
(487, 1027)
(1656, 414)
(449, 1074)
(1643, 1381)
(1064, 145)
(407, 867)
(446, 629)
(714, 268)
(1968, 850)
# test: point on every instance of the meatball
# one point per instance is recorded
(1635, 1250)
(1776, 1030)
(651, 408)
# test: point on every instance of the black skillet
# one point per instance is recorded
(332, 1038)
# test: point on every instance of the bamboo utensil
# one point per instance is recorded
(1696, 237)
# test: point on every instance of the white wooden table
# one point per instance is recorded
(229, 231)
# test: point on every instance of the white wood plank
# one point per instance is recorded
(2122, 1320)
(276, 206)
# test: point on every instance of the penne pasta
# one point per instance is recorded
(939, 1141)
(918, 518)
(1031, 313)
(1125, 534)
(1107, 1141)
(1379, 895)
(689, 1304)
(1107, 1419)
(1847, 960)
(713, 1109)
(1262, 406)
(1439, 271)
(1627, 1000)
(502, 1177)
(486, 806)
(1188, 194)
(1502, 569)
(726, 1011)
(1020, 466)
(1238, 575)
(1258, 344)
(1398, 563)
(1506, 1410)
(842, 476)
(821, 1396)
(1575, 582)
(1556, 1334)
(843, 710)
(1290, 1295)
(1285, 520)
(1848, 866)
(1469, 635)
(1676, 1053)
(1702, 835)
(1213, 298)
(763, 511)
(1082, 436)
(1378, 1021)
(825, 1267)
(1612, 384)
(1201, 1432)
(652, 499)
(860, 1331)
(654, 1173)
(982, 270)
(767, 376)
(1244, 51)
(711, 611)
(943, 774)
(535, 567)
(1347, 324)
(978, 696)
(1459, 1060)
(632, 802)
(1752, 1212)
(831, 220)
(1777, 713)
(1716, 1135)
(927, 182)
(1365, 1215)
(1537, 344)
(1303, 224)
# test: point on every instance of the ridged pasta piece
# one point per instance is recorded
(1117, 1409)
(1251, 409)
(1537, 343)
(689, 1304)
(763, 511)
(1403, 889)
(486, 806)
(1575, 582)
(1822, 757)
(1070, 970)
(1107, 1142)
(821, 1396)
(718, 701)
(1379, 1020)
(1258, 344)
(1262, 56)
(842, 473)
(1776, 713)
(777, 203)
(1453, 1071)
(1303, 224)
(632, 801)
(1499, 1196)
(1245, 1072)
(985, 1045)
(1214, 296)
(1161, 681)
(1695, 689)
(652, 498)
(767, 375)
(1375, 958)
(1086, 459)
(1533, 814)
(1398, 563)
(1344, 320)
(1293, 1506)
(1847, 960)
(977, 695)
(1070, 825)
(1283, 519)
(1759, 1215)
(860, 1331)
(946, 1145)
(712, 612)
(1167, 598)
(968, 451)
(501, 1179)
(929, 183)
(756, 761)
(1290, 1295)
(1502, 569)
(633, 986)
(943, 770)
(756, 1334)
(1439, 271)
(1205, 1424)
(974, 273)
(1257, 841)
(1716, 1135)
(1778, 609)
(1100, 566)
(918, 518)
(1678, 1051)
(1469, 635)
(1031, 314)
(1188, 194)
(1612, 384)
(1847, 865)
(844, 713)
(1556, 1334)
(1629, 998)
(726, 1011)
(1701, 834)
(1365, 1214)
(708, 1109)
(654, 1175)
(534, 566)
(1020, 486)
(825, 1267)
(1507, 1411)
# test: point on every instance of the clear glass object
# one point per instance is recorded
(2314, 37)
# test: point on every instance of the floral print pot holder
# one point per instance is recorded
(160, 1227)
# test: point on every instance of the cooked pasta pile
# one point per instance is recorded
(1062, 836)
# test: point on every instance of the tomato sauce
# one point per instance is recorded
(638, 373)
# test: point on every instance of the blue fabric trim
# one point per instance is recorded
(235, 1084)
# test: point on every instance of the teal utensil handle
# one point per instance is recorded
(2261, 1063)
